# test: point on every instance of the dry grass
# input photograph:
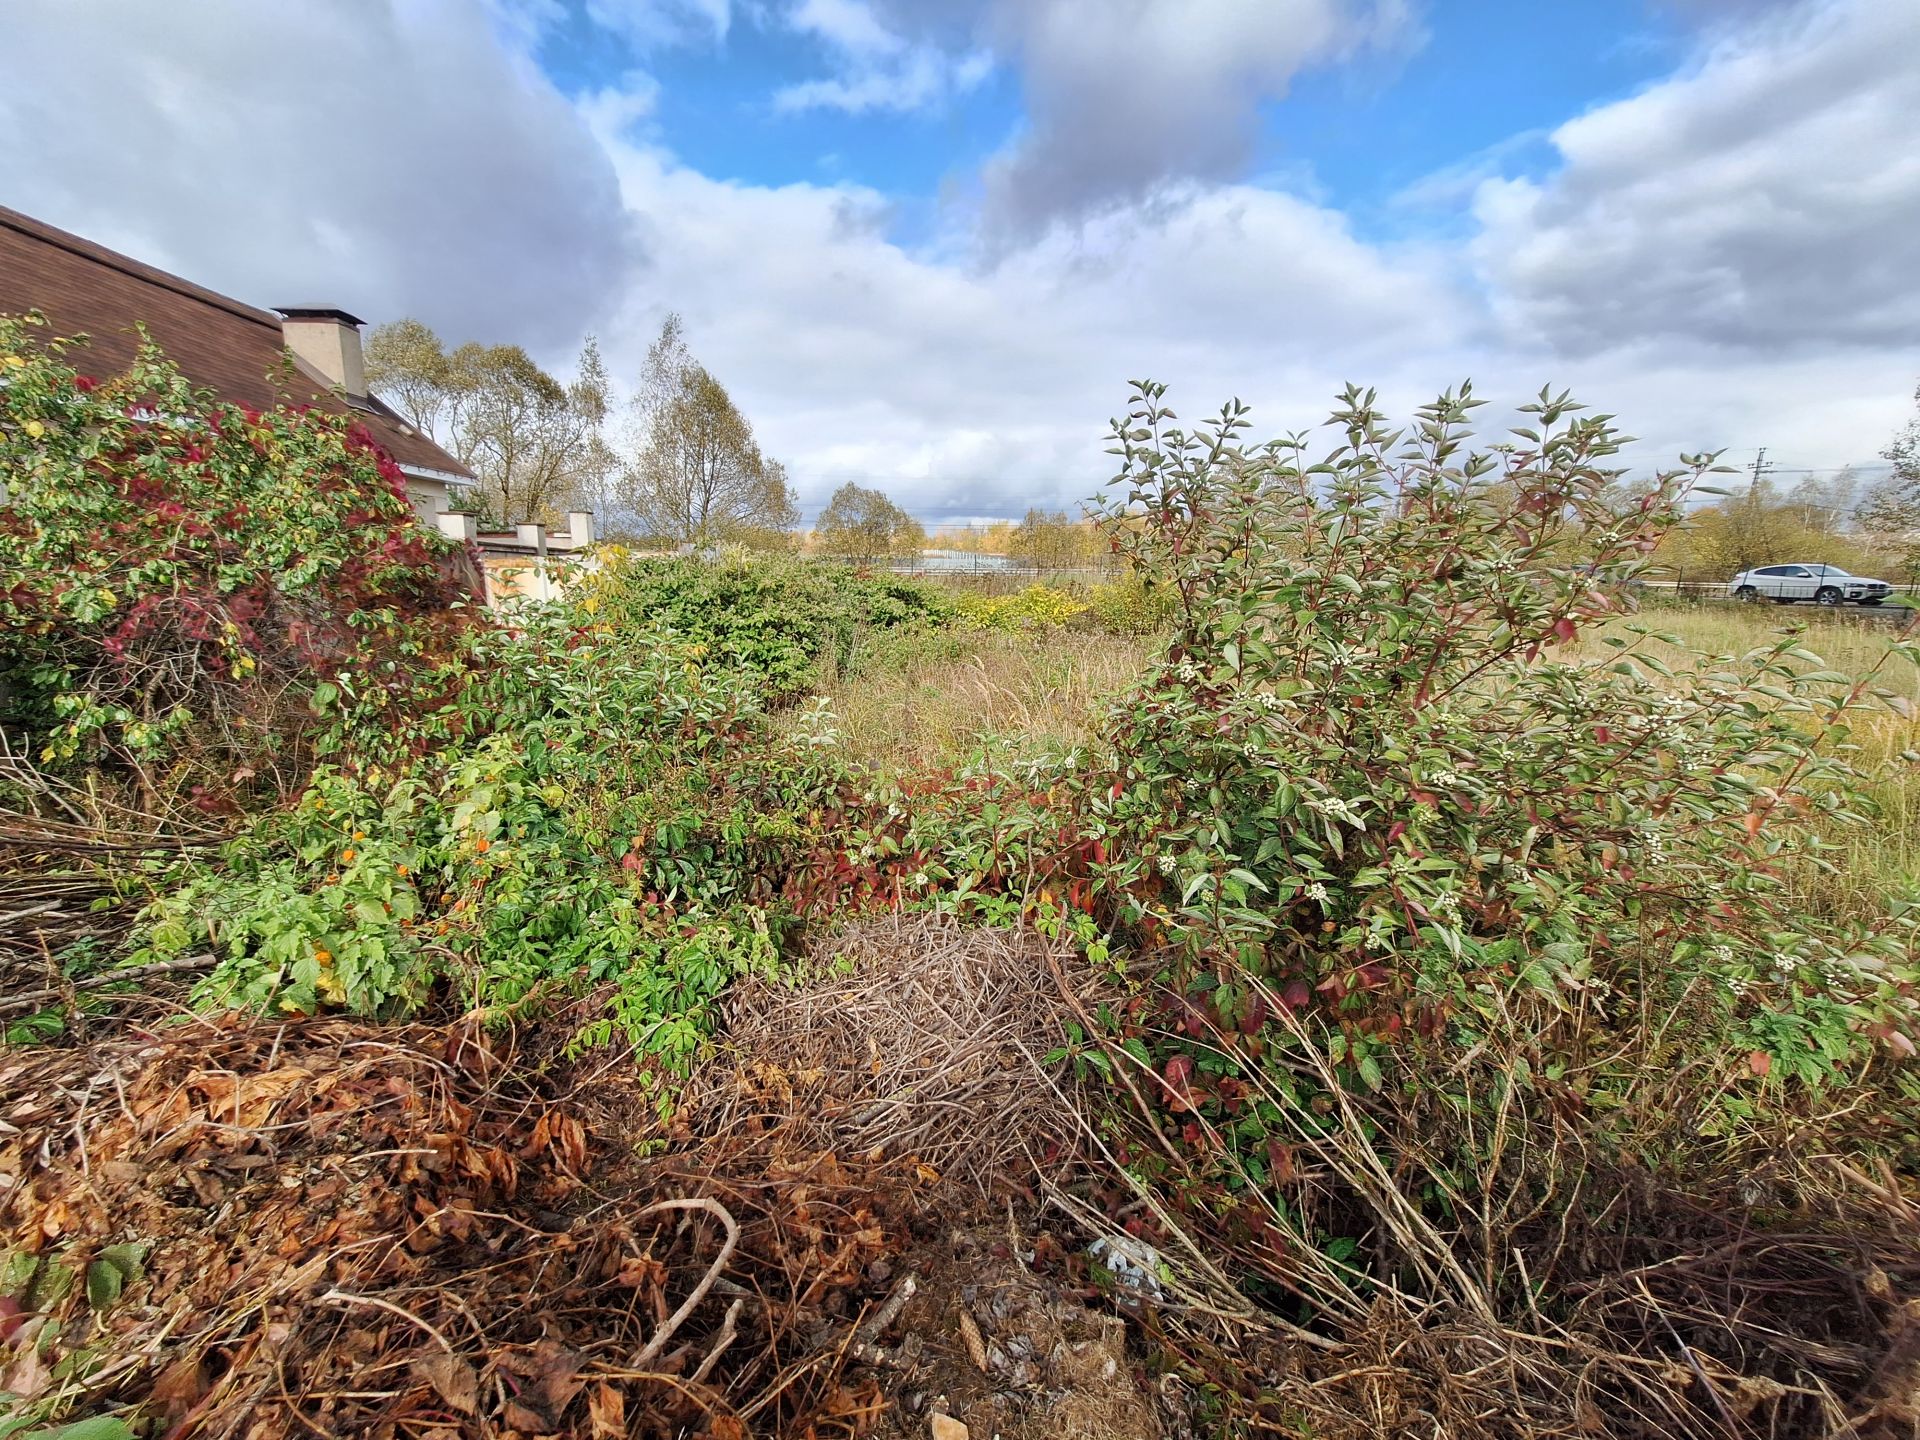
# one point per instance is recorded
(1868, 861)
(1046, 688)
(345, 1228)
(913, 1037)
(1049, 687)
(1851, 641)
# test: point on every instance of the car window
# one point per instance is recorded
(1780, 570)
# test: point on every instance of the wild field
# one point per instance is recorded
(1338, 978)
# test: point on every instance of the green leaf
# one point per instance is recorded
(129, 1258)
(104, 1284)
(99, 1427)
(17, 1272)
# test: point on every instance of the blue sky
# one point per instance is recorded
(1476, 76)
(926, 242)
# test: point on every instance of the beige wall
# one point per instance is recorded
(330, 347)
(523, 577)
(429, 498)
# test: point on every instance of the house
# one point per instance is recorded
(529, 561)
(231, 348)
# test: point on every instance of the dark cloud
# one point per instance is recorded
(1125, 96)
(1767, 198)
(391, 158)
(1122, 97)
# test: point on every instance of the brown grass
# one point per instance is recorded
(1042, 688)
(1867, 861)
(913, 1037)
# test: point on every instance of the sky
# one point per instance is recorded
(927, 243)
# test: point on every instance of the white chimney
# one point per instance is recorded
(580, 528)
(455, 524)
(328, 340)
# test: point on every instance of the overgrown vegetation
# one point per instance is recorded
(1486, 1039)
(788, 625)
(178, 574)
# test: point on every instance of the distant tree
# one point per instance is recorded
(1888, 514)
(537, 445)
(1825, 504)
(989, 539)
(863, 525)
(1050, 540)
(1759, 526)
(695, 474)
(1904, 450)
(407, 365)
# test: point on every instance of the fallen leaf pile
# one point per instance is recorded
(330, 1228)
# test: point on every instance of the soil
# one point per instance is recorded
(1013, 1352)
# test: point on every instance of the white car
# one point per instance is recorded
(1828, 584)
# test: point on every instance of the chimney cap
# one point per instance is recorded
(318, 312)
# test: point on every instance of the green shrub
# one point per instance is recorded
(1362, 770)
(603, 809)
(789, 623)
(1483, 985)
(177, 574)
(1133, 606)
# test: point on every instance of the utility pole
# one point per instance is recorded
(1747, 543)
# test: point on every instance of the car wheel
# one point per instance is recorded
(1747, 593)
(1828, 596)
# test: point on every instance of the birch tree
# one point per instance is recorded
(696, 474)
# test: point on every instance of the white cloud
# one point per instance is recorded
(1121, 96)
(428, 168)
(878, 68)
(648, 24)
(1124, 96)
(391, 158)
(963, 389)
(1767, 197)
(847, 25)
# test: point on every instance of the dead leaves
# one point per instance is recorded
(550, 1376)
(424, 1173)
(454, 1380)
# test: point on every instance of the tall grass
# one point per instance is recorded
(1039, 689)
(1867, 862)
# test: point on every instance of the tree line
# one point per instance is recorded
(1864, 526)
(685, 468)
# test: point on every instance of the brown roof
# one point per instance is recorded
(230, 348)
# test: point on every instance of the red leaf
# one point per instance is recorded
(1759, 1062)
